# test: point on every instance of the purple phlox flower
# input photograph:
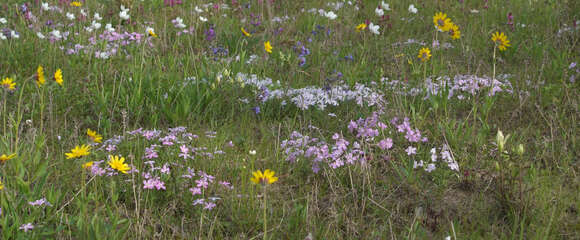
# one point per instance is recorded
(202, 183)
(168, 140)
(226, 184)
(165, 169)
(195, 190)
(256, 109)
(198, 201)
(26, 227)
(386, 143)
(152, 183)
(111, 147)
(40, 202)
(150, 152)
(230, 144)
(150, 134)
(184, 152)
(209, 205)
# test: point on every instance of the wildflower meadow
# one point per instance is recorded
(279, 119)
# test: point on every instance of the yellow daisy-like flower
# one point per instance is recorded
(118, 163)
(500, 40)
(5, 157)
(58, 77)
(76, 4)
(247, 34)
(424, 54)
(8, 84)
(88, 165)
(454, 32)
(441, 22)
(267, 177)
(98, 138)
(268, 47)
(78, 151)
(151, 32)
(361, 27)
(40, 80)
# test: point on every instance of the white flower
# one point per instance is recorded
(70, 16)
(379, 12)
(412, 8)
(40, 35)
(374, 28)
(202, 19)
(3, 20)
(331, 15)
(2, 37)
(56, 34)
(14, 34)
(45, 6)
(109, 27)
(385, 6)
(474, 11)
(252, 152)
(178, 23)
(96, 25)
(83, 12)
(124, 14)
(198, 10)
(97, 17)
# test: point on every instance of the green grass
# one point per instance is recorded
(494, 195)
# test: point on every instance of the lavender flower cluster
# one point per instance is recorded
(460, 87)
(312, 96)
(369, 136)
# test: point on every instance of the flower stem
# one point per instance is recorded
(264, 213)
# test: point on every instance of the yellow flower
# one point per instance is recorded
(500, 40)
(98, 138)
(454, 32)
(424, 54)
(78, 152)
(118, 163)
(58, 77)
(151, 32)
(264, 178)
(40, 76)
(360, 27)
(8, 83)
(88, 165)
(5, 158)
(1, 185)
(76, 4)
(247, 34)
(268, 47)
(442, 22)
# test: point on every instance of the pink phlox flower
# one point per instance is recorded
(195, 190)
(386, 143)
